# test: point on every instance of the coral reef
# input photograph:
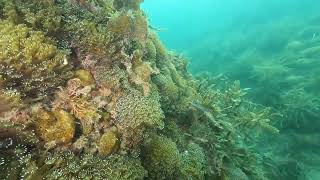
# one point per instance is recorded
(88, 91)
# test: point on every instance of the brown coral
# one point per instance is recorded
(54, 127)
(75, 98)
(129, 24)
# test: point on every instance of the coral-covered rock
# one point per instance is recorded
(76, 99)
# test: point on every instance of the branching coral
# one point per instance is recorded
(257, 119)
(299, 107)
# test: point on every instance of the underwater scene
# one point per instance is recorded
(160, 89)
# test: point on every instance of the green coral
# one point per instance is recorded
(135, 114)
(29, 61)
(161, 158)
(137, 111)
(194, 162)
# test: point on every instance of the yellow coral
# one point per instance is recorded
(85, 77)
(29, 61)
(108, 142)
(55, 127)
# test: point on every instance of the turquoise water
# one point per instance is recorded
(272, 47)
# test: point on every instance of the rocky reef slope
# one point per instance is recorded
(88, 91)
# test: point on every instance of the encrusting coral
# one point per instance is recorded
(88, 85)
